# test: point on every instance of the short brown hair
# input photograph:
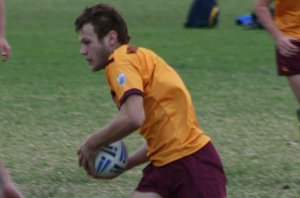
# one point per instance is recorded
(104, 18)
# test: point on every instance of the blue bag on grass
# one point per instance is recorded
(244, 20)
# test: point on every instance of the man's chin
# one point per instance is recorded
(95, 69)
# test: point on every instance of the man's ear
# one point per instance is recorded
(111, 38)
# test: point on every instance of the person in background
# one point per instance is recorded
(152, 98)
(203, 14)
(285, 30)
(7, 187)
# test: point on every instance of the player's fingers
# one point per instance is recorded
(4, 57)
(90, 168)
(5, 52)
(295, 39)
(85, 164)
(290, 45)
(292, 48)
(289, 53)
(286, 52)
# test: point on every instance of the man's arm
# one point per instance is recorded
(2, 19)
(4, 46)
(284, 43)
(130, 117)
(137, 158)
(262, 10)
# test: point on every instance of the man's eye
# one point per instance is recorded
(85, 42)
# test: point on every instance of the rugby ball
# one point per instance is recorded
(111, 159)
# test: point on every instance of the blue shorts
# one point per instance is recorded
(199, 175)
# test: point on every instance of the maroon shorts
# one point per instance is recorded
(288, 66)
(199, 175)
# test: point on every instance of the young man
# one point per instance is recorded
(151, 97)
(285, 31)
(7, 187)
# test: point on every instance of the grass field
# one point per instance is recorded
(50, 100)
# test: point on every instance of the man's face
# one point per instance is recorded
(95, 52)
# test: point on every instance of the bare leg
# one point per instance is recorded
(294, 82)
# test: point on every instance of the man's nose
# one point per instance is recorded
(83, 51)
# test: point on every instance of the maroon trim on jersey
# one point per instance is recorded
(110, 61)
(113, 95)
(129, 93)
(131, 49)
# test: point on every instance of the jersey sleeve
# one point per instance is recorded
(124, 80)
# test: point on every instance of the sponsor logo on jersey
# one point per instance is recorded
(121, 79)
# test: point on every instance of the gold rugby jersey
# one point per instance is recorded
(171, 128)
(287, 17)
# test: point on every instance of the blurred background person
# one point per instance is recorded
(285, 30)
(203, 13)
(7, 187)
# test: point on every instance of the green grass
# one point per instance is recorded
(50, 100)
